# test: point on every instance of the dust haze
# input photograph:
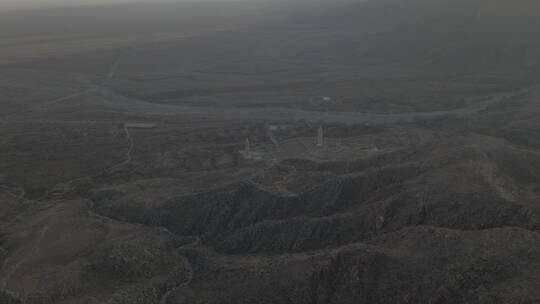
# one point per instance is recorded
(33, 4)
(269, 151)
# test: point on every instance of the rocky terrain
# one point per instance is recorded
(125, 176)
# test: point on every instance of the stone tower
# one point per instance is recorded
(320, 137)
(247, 149)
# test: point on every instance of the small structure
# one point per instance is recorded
(247, 149)
(320, 137)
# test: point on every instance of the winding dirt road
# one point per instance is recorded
(190, 274)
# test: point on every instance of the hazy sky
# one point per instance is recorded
(30, 3)
(40, 3)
